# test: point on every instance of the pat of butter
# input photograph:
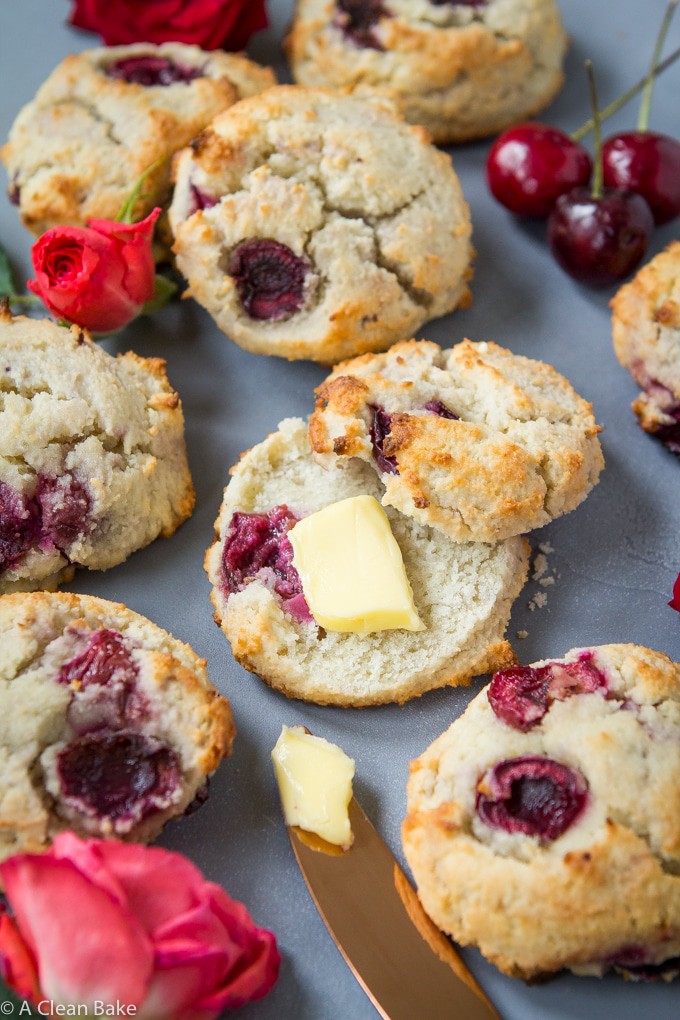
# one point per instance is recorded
(315, 783)
(351, 569)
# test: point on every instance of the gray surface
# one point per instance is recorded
(616, 556)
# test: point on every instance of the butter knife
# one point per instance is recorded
(406, 966)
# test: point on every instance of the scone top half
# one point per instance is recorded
(463, 70)
(93, 461)
(475, 441)
(544, 825)
(109, 726)
(105, 115)
(319, 225)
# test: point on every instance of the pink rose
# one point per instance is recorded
(96, 920)
(98, 276)
(206, 23)
(675, 601)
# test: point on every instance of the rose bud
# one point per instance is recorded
(97, 921)
(98, 276)
(675, 601)
(210, 24)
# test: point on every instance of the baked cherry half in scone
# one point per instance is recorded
(109, 726)
(544, 825)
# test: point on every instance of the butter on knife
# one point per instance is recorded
(315, 783)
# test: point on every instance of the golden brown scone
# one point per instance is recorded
(93, 463)
(463, 70)
(109, 726)
(105, 115)
(463, 593)
(544, 825)
(646, 332)
(475, 441)
(315, 225)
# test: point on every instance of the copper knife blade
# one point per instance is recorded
(406, 966)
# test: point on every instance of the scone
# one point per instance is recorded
(105, 115)
(463, 593)
(475, 441)
(109, 726)
(320, 226)
(463, 69)
(92, 457)
(544, 825)
(646, 331)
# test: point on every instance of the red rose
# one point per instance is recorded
(98, 276)
(99, 921)
(210, 24)
(675, 601)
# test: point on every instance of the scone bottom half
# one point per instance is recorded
(462, 593)
(544, 825)
(295, 234)
(110, 727)
(93, 462)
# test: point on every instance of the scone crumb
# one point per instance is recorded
(521, 635)
(538, 601)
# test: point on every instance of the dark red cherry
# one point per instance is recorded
(532, 795)
(531, 165)
(600, 239)
(648, 163)
(269, 277)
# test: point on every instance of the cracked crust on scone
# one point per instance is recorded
(463, 70)
(76, 150)
(602, 889)
(109, 726)
(646, 333)
(93, 461)
(463, 593)
(475, 441)
(303, 238)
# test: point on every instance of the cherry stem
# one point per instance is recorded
(625, 97)
(597, 133)
(645, 105)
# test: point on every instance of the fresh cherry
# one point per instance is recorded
(599, 235)
(599, 239)
(649, 164)
(531, 165)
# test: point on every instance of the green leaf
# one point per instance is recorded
(163, 292)
(6, 281)
(127, 209)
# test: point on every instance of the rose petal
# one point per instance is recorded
(159, 885)
(17, 966)
(675, 601)
(87, 946)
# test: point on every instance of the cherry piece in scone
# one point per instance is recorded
(530, 165)
(600, 239)
(520, 696)
(648, 163)
(149, 69)
(358, 18)
(531, 795)
(270, 278)
(380, 430)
